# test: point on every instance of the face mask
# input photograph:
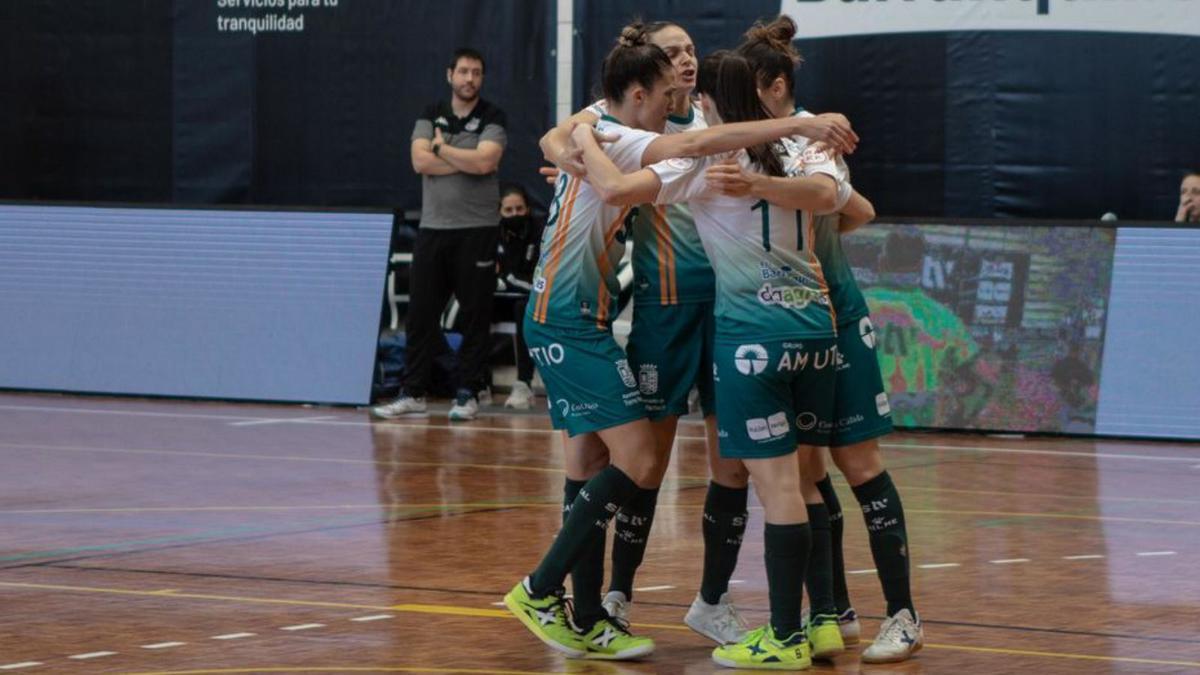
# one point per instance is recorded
(514, 227)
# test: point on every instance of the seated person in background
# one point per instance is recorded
(1189, 199)
(520, 239)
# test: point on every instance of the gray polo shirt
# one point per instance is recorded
(461, 200)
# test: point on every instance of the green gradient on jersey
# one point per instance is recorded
(669, 263)
(848, 300)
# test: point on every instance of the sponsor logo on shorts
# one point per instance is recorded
(867, 332)
(569, 409)
(648, 378)
(721, 433)
(795, 361)
(749, 359)
(882, 406)
(585, 308)
(792, 297)
(847, 422)
(765, 429)
(626, 374)
(550, 355)
(716, 378)
(806, 421)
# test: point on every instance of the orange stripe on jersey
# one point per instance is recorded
(668, 288)
(556, 249)
(603, 295)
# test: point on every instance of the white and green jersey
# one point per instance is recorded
(769, 283)
(575, 283)
(848, 302)
(670, 266)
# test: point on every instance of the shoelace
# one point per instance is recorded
(730, 618)
(562, 606)
(890, 629)
(620, 624)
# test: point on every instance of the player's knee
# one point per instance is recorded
(858, 463)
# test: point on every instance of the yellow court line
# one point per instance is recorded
(354, 669)
(453, 610)
(1059, 516)
(1062, 655)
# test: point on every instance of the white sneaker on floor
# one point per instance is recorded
(484, 397)
(900, 637)
(465, 407)
(521, 397)
(720, 623)
(403, 405)
(617, 605)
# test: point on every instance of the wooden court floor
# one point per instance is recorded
(176, 537)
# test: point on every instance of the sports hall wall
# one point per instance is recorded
(125, 100)
(1031, 123)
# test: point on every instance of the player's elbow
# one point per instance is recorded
(615, 192)
(825, 201)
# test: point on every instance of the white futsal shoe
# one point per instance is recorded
(617, 605)
(720, 623)
(465, 408)
(403, 405)
(521, 397)
(900, 637)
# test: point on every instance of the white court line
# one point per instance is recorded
(494, 604)
(91, 655)
(1150, 553)
(515, 430)
(860, 571)
(303, 626)
(1090, 556)
(233, 636)
(380, 617)
(1009, 561)
(23, 664)
(654, 588)
(938, 566)
(737, 581)
(164, 645)
(280, 420)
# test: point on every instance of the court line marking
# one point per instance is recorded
(23, 664)
(280, 420)
(516, 467)
(518, 430)
(303, 626)
(233, 636)
(469, 611)
(91, 655)
(870, 571)
(653, 588)
(164, 645)
(376, 617)
(1155, 553)
(1009, 561)
(1090, 556)
(355, 669)
(938, 566)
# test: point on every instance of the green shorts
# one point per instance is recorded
(861, 410)
(589, 384)
(671, 350)
(773, 395)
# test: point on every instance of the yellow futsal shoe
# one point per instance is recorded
(761, 650)
(610, 640)
(825, 636)
(546, 618)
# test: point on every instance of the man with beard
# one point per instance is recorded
(456, 147)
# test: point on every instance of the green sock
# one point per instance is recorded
(724, 525)
(630, 534)
(786, 549)
(819, 578)
(884, 516)
(587, 577)
(841, 594)
(597, 501)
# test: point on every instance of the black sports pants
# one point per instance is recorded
(445, 262)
